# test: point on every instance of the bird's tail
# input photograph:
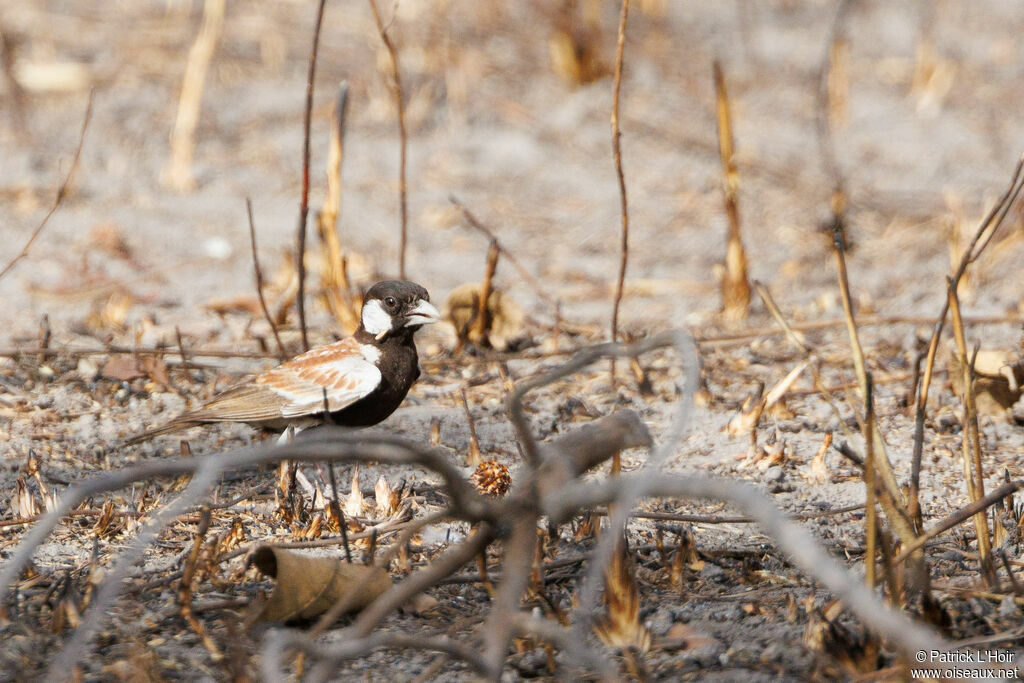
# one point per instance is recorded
(172, 426)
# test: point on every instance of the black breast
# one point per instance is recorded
(399, 369)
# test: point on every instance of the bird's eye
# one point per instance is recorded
(390, 301)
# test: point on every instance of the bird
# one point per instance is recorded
(358, 381)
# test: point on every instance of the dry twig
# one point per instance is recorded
(617, 154)
(282, 354)
(61, 191)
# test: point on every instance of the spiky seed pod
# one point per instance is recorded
(491, 478)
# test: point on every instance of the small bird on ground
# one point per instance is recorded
(361, 379)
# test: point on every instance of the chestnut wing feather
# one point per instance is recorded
(296, 388)
(340, 368)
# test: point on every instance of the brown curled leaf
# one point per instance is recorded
(307, 586)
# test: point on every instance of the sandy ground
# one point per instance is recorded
(927, 140)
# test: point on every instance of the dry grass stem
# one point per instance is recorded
(735, 283)
(986, 229)
(881, 459)
(974, 476)
(185, 588)
(8, 64)
(177, 174)
(481, 322)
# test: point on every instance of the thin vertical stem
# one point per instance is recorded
(870, 513)
(300, 249)
(617, 153)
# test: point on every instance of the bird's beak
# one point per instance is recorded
(423, 314)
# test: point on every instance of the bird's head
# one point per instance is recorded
(392, 306)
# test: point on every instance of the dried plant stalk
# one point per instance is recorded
(177, 174)
(474, 457)
(735, 284)
(528, 278)
(986, 229)
(8, 65)
(974, 476)
(870, 514)
(482, 322)
(337, 290)
(881, 458)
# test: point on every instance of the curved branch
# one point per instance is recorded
(332, 443)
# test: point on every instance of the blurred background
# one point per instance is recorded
(507, 106)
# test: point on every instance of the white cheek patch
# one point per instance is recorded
(375, 319)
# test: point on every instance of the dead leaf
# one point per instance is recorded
(307, 586)
(122, 368)
(421, 604)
